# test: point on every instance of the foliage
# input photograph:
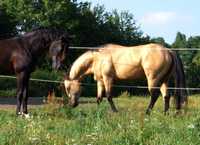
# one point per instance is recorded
(34, 13)
(79, 18)
(7, 25)
(194, 42)
(160, 40)
(189, 57)
(36, 88)
(89, 124)
(180, 41)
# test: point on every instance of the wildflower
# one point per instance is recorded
(48, 136)
(33, 138)
(191, 126)
(132, 121)
(88, 135)
(119, 125)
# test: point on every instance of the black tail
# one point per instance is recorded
(181, 94)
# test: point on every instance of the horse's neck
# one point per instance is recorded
(38, 44)
(81, 68)
(79, 73)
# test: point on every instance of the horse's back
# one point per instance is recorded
(119, 61)
(137, 61)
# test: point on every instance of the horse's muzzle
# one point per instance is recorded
(73, 104)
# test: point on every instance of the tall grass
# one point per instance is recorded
(89, 124)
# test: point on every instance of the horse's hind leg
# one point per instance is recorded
(100, 90)
(154, 92)
(19, 92)
(108, 86)
(22, 90)
(25, 94)
(166, 96)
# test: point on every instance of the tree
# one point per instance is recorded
(7, 25)
(191, 58)
(194, 42)
(194, 64)
(180, 41)
(160, 40)
(37, 13)
(90, 26)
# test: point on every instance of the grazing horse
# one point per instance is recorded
(114, 62)
(19, 55)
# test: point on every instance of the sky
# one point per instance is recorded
(160, 18)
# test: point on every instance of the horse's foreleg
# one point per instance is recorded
(19, 101)
(108, 86)
(25, 100)
(166, 96)
(25, 94)
(100, 90)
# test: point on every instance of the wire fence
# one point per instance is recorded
(95, 48)
(119, 86)
(93, 84)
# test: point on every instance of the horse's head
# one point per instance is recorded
(73, 90)
(58, 50)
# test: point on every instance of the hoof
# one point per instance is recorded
(26, 116)
(166, 113)
(19, 114)
(148, 112)
(99, 100)
(114, 110)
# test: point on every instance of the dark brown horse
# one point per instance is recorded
(19, 55)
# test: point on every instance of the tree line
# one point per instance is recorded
(91, 26)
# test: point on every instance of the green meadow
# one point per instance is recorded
(89, 124)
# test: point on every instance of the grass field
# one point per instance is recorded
(92, 125)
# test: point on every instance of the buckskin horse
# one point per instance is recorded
(114, 62)
(19, 55)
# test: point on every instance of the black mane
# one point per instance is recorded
(48, 33)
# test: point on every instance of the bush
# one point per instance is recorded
(36, 88)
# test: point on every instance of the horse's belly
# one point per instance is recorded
(130, 73)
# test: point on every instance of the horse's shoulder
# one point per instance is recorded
(111, 46)
(155, 45)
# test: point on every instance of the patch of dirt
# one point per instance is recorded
(10, 102)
